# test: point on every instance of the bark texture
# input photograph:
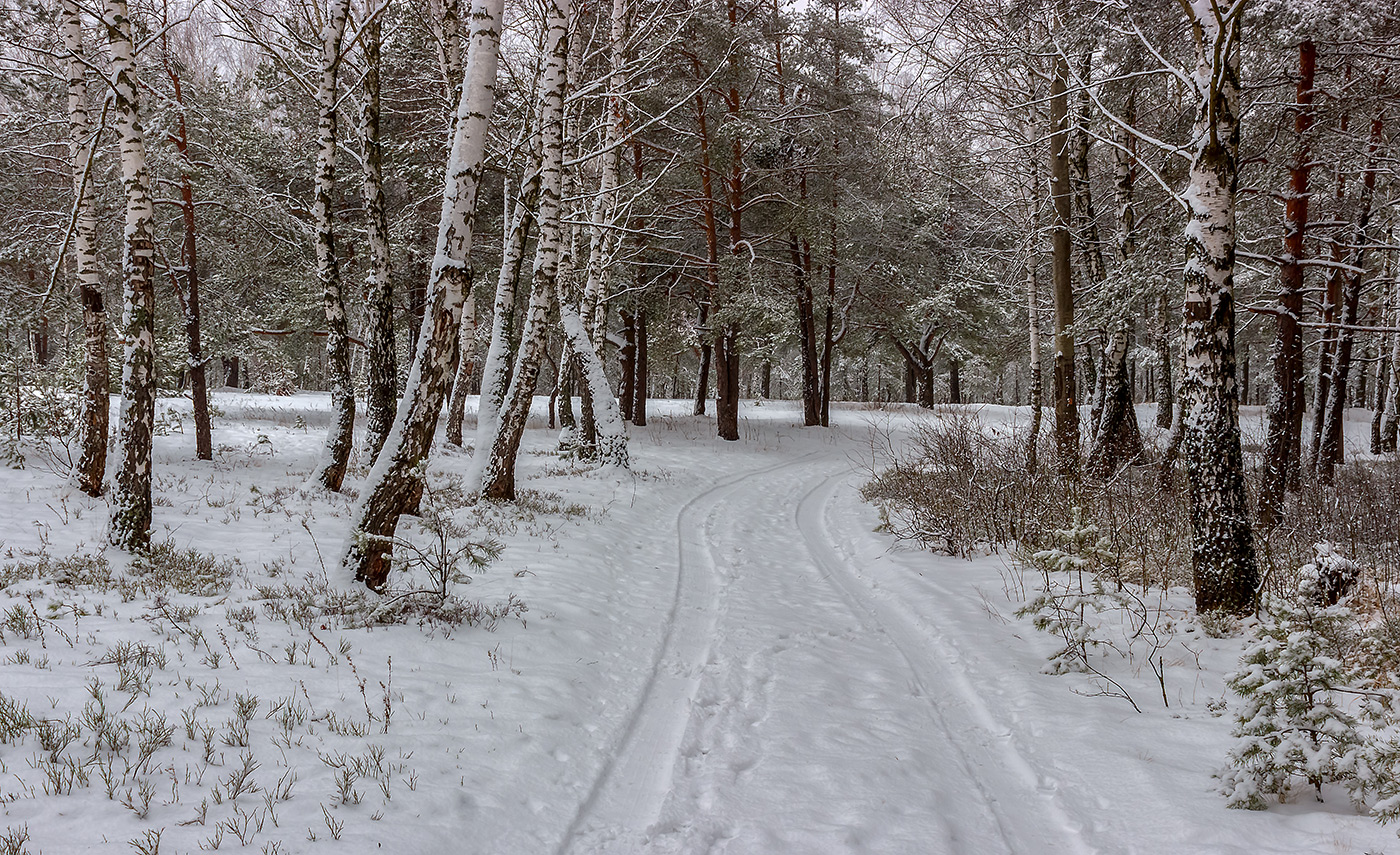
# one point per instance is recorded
(340, 437)
(498, 471)
(1286, 403)
(1222, 546)
(94, 403)
(381, 397)
(131, 498)
(1330, 450)
(1066, 402)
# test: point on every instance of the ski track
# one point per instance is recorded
(695, 769)
(627, 795)
(1028, 815)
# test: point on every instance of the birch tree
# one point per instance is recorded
(496, 457)
(131, 499)
(394, 479)
(496, 368)
(340, 436)
(382, 394)
(94, 402)
(1222, 544)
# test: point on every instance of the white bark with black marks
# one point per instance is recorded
(496, 457)
(94, 402)
(131, 499)
(394, 481)
(340, 436)
(1222, 545)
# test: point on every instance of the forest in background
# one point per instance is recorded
(1049, 204)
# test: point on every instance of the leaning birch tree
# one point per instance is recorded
(393, 481)
(1222, 544)
(131, 499)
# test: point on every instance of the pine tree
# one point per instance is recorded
(1290, 724)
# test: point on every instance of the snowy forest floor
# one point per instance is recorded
(721, 653)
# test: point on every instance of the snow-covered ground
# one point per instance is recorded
(721, 653)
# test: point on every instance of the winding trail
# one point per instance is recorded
(786, 687)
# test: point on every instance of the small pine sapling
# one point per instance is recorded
(1290, 724)
(1063, 604)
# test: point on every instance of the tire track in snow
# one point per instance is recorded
(627, 796)
(1029, 818)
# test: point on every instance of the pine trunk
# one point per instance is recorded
(188, 291)
(800, 255)
(1286, 401)
(1066, 402)
(639, 388)
(727, 383)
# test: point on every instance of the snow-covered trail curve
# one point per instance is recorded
(788, 711)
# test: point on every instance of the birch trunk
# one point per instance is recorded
(1117, 440)
(393, 481)
(95, 401)
(607, 415)
(382, 395)
(496, 370)
(131, 498)
(499, 454)
(602, 415)
(341, 434)
(466, 368)
(1222, 546)
(1390, 424)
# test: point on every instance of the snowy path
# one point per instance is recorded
(722, 655)
(790, 711)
